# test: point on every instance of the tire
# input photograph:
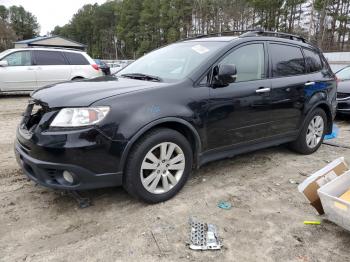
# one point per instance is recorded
(139, 166)
(302, 144)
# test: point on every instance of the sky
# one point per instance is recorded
(51, 12)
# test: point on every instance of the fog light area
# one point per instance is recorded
(68, 177)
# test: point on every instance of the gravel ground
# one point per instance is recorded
(264, 224)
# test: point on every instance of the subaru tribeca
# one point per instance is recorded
(175, 109)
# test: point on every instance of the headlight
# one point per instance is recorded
(75, 117)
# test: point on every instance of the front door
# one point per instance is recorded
(19, 75)
(240, 112)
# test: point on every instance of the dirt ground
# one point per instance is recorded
(264, 224)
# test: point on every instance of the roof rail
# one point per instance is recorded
(249, 33)
(276, 34)
(54, 47)
(223, 33)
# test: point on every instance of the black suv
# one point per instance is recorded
(175, 109)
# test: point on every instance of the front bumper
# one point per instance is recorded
(343, 106)
(93, 162)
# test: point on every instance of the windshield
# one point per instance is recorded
(173, 62)
(344, 74)
(4, 53)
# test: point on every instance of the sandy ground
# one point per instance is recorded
(264, 224)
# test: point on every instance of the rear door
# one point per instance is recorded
(19, 75)
(51, 67)
(288, 79)
(240, 112)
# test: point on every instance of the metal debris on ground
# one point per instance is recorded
(293, 181)
(203, 236)
(83, 202)
(329, 143)
(224, 205)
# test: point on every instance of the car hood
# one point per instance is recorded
(344, 86)
(86, 92)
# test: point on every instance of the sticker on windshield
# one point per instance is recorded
(200, 49)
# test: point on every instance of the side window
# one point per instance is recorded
(49, 58)
(249, 61)
(313, 61)
(22, 58)
(286, 60)
(76, 59)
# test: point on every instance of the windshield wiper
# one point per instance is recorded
(142, 77)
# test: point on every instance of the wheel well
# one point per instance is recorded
(326, 109)
(77, 77)
(185, 131)
(182, 129)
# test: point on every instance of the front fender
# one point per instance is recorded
(153, 124)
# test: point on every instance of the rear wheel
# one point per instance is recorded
(158, 165)
(312, 133)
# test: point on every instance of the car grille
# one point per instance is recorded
(342, 95)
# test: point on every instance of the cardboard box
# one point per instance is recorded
(320, 178)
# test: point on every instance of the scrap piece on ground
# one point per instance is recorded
(203, 236)
(334, 134)
(224, 205)
(312, 222)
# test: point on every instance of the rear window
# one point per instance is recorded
(76, 59)
(286, 60)
(313, 61)
(49, 58)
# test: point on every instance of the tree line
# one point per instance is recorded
(130, 28)
(16, 24)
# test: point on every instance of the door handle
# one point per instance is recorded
(30, 68)
(263, 90)
(309, 83)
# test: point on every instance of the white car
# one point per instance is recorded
(26, 69)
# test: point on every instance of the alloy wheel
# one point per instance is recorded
(315, 131)
(162, 168)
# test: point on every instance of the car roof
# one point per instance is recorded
(46, 49)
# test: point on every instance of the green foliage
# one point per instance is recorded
(23, 23)
(132, 28)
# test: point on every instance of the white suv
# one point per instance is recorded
(26, 69)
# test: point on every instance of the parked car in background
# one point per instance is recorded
(103, 66)
(175, 109)
(115, 67)
(343, 93)
(27, 69)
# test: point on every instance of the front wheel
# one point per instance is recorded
(158, 165)
(312, 133)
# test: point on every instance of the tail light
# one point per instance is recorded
(95, 66)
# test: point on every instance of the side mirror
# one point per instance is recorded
(224, 75)
(4, 63)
